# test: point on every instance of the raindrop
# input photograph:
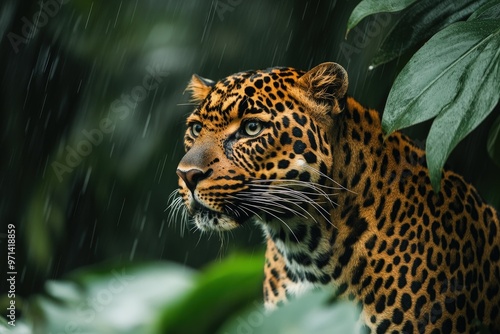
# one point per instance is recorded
(82, 238)
(53, 68)
(146, 125)
(93, 233)
(86, 182)
(112, 150)
(161, 228)
(111, 194)
(121, 211)
(148, 198)
(133, 12)
(23, 274)
(90, 13)
(162, 168)
(118, 14)
(304, 12)
(222, 55)
(134, 246)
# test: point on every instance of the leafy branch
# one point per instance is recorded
(454, 76)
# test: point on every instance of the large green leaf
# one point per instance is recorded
(455, 76)
(494, 142)
(222, 290)
(419, 22)
(370, 7)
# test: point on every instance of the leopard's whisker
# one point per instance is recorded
(264, 201)
(320, 173)
(275, 199)
(308, 183)
(297, 195)
(244, 209)
(313, 186)
(268, 208)
(300, 196)
(265, 210)
(232, 211)
(285, 189)
(176, 208)
(319, 192)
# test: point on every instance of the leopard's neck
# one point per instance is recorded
(324, 250)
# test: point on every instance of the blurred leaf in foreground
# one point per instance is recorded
(222, 290)
(310, 313)
(107, 299)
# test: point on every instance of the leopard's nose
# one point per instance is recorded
(193, 176)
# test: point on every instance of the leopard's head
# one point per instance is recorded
(258, 144)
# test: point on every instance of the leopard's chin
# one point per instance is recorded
(208, 220)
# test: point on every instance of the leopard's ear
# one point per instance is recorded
(326, 83)
(199, 88)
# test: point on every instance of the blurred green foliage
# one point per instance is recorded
(80, 67)
(168, 298)
(107, 299)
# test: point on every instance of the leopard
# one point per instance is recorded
(341, 203)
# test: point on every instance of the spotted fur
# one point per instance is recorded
(340, 204)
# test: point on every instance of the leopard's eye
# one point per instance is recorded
(252, 128)
(195, 129)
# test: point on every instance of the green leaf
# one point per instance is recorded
(419, 22)
(222, 290)
(370, 7)
(490, 10)
(455, 76)
(493, 144)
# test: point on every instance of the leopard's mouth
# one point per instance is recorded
(207, 219)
